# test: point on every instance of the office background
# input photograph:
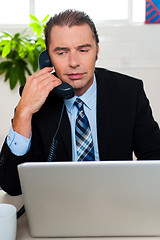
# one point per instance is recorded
(127, 45)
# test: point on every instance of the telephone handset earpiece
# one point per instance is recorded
(44, 60)
(64, 91)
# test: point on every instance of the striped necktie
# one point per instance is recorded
(84, 141)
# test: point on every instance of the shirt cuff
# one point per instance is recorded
(18, 144)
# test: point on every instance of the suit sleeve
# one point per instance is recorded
(9, 178)
(146, 130)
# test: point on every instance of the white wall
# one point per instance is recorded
(134, 50)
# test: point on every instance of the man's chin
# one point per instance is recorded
(76, 83)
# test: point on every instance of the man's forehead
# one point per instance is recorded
(79, 35)
(80, 29)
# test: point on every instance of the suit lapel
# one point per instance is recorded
(65, 131)
(103, 115)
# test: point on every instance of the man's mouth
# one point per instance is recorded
(75, 75)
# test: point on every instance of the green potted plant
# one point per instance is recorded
(19, 53)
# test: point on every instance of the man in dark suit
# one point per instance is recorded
(115, 106)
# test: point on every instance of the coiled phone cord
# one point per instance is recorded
(20, 211)
(50, 156)
(54, 140)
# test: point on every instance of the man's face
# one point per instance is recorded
(73, 52)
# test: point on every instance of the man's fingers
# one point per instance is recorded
(43, 71)
(42, 78)
(51, 85)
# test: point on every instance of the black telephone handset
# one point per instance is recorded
(64, 91)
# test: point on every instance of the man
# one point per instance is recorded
(114, 107)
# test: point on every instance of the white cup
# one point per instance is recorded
(8, 222)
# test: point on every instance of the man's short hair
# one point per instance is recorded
(69, 18)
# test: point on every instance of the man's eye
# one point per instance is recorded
(60, 53)
(84, 50)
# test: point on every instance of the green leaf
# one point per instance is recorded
(35, 64)
(39, 31)
(45, 19)
(33, 18)
(44, 25)
(36, 28)
(22, 54)
(34, 25)
(4, 42)
(7, 75)
(6, 50)
(22, 51)
(13, 76)
(6, 35)
(40, 41)
(16, 36)
(21, 75)
(31, 57)
(4, 66)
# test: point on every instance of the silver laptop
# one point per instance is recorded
(92, 199)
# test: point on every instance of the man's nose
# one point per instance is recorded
(74, 60)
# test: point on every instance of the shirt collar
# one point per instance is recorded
(88, 97)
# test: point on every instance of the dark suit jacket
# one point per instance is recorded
(124, 124)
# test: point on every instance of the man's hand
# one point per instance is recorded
(35, 92)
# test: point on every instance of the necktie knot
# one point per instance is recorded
(79, 104)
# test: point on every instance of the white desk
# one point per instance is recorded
(22, 226)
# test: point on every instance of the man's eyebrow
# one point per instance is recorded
(67, 49)
(60, 49)
(85, 46)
